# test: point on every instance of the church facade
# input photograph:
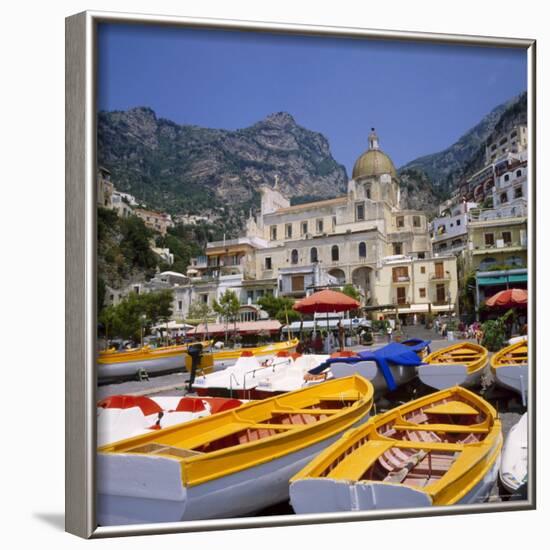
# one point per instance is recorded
(363, 238)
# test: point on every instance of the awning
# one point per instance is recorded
(243, 327)
(502, 279)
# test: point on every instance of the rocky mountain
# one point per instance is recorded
(443, 171)
(189, 169)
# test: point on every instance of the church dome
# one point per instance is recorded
(373, 162)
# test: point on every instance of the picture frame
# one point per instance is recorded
(81, 166)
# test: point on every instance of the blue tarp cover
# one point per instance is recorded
(392, 354)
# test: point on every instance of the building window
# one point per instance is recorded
(507, 177)
(401, 295)
(439, 272)
(503, 198)
(268, 263)
(250, 296)
(440, 293)
(359, 211)
(297, 283)
(457, 223)
(518, 173)
(204, 298)
(333, 222)
(319, 226)
(362, 250)
(518, 192)
(507, 237)
(400, 274)
(304, 228)
(335, 253)
(400, 221)
(313, 257)
(367, 192)
(273, 232)
(416, 221)
(397, 248)
(180, 305)
(294, 257)
(421, 255)
(423, 269)
(513, 134)
(422, 292)
(136, 289)
(288, 230)
(489, 239)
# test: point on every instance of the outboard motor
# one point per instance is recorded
(195, 352)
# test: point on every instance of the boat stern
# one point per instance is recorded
(324, 495)
(445, 376)
(136, 489)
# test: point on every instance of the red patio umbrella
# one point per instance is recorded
(326, 301)
(513, 297)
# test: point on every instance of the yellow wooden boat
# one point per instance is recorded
(123, 364)
(510, 368)
(461, 364)
(441, 449)
(228, 357)
(229, 464)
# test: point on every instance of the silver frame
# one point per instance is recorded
(80, 270)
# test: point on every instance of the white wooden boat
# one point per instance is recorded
(127, 364)
(291, 378)
(510, 368)
(400, 360)
(123, 416)
(241, 379)
(228, 357)
(229, 464)
(461, 364)
(514, 465)
(441, 449)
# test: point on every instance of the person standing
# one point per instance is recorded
(389, 330)
(341, 336)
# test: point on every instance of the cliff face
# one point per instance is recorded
(437, 175)
(188, 169)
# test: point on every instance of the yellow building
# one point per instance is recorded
(360, 238)
(158, 221)
(497, 248)
(105, 188)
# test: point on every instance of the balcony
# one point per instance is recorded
(439, 277)
(511, 246)
(401, 279)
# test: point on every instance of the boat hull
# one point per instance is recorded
(514, 465)
(323, 495)
(233, 495)
(130, 368)
(370, 371)
(446, 376)
(513, 377)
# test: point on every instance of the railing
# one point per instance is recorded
(440, 276)
(519, 209)
(401, 279)
(496, 247)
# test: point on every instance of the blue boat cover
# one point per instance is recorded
(392, 354)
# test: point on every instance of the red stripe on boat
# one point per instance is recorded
(190, 404)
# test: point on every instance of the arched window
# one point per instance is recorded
(362, 250)
(294, 257)
(335, 253)
(313, 255)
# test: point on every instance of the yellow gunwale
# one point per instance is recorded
(471, 465)
(473, 356)
(146, 353)
(512, 355)
(260, 350)
(203, 467)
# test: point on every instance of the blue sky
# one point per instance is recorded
(420, 97)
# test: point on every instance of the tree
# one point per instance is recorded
(200, 311)
(227, 308)
(279, 308)
(350, 290)
(136, 313)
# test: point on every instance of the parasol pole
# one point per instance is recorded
(288, 326)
